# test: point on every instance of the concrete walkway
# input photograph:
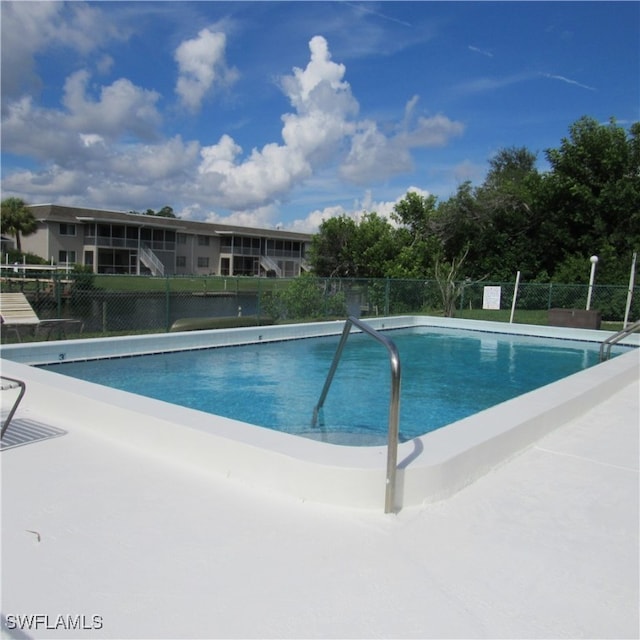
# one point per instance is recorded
(96, 534)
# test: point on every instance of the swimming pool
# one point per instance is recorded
(276, 385)
(429, 467)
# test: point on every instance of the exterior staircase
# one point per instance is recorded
(151, 261)
(268, 264)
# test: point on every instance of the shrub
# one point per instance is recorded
(305, 297)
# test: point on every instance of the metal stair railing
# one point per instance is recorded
(151, 260)
(269, 264)
(394, 401)
(605, 347)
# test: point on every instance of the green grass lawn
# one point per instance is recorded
(214, 284)
(536, 316)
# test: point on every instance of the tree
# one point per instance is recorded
(417, 238)
(509, 168)
(447, 276)
(544, 225)
(460, 223)
(508, 204)
(17, 220)
(592, 196)
(374, 247)
(330, 253)
(416, 213)
(165, 212)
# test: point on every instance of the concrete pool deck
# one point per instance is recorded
(102, 535)
(544, 546)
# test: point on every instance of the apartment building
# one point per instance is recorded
(130, 243)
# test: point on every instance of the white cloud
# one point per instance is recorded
(121, 108)
(431, 132)
(376, 156)
(91, 139)
(201, 63)
(484, 84)
(319, 71)
(384, 208)
(103, 146)
(316, 134)
(483, 52)
(163, 165)
(56, 181)
(104, 64)
(29, 28)
(568, 81)
(312, 222)
(219, 158)
(323, 104)
(67, 137)
(373, 156)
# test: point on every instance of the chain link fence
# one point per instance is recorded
(113, 305)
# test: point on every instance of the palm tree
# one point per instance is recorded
(17, 220)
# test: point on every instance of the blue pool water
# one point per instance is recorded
(447, 374)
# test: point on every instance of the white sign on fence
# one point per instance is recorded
(491, 297)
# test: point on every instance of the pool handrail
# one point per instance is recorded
(394, 400)
(605, 347)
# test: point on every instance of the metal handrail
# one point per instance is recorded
(615, 338)
(394, 401)
(6, 384)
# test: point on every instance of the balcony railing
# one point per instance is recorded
(129, 243)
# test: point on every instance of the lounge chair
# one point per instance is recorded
(17, 315)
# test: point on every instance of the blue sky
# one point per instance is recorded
(282, 114)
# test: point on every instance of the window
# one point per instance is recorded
(66, 256)
(203, 241)
(182, 238)
(181, 261)
(67, 229)
(203, 262)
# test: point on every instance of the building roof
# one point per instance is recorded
(61, 213)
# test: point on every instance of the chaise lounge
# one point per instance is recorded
(17, 315)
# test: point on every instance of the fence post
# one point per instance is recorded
(58, 289)
(167, 290)
(632, 279)
(515, 297)
(387, 286)
(549, 298)
(258, 300)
